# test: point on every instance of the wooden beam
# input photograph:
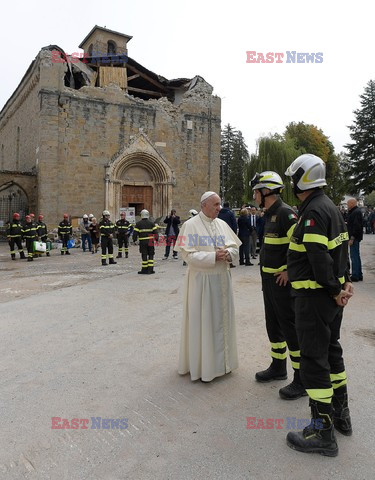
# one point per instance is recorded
(146, 77)
(133, 77)
(147, 92)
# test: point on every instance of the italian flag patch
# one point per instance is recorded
(292, 215)
(309, 223)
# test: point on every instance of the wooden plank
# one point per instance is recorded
(115, 75)
(147, 92)
(146, 77)
(133, 77)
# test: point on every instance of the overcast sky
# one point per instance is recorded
(210, 38)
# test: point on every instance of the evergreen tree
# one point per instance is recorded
(235, 187)
(226, 156)
(362, 151)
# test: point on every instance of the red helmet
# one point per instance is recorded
(27, 218)
(16, 216)
(32, 215)
(66, 215)
(40, 217)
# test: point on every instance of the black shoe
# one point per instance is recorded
(112, 262)
(104, 263)
(13, 257)
(242, 263)
(62, 253)
(143, 272)
(248, 264)
(119, 255)
(319, 436)
(47, 254)
(341, 414)
(292, 391)
(272, 373)
(30, 259)
(67, 253)
(232, 266)
(22, 256)
(126, 255)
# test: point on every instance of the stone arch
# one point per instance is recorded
(139, 166)
(13, 198)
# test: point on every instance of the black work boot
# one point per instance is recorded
(104, 262)
(319, 436)
(112, 262)
(119, 255)
(22, 255)
(30, 259)
(13, 255)
(143, 271)
(150, 270)
(341, 414)
(276, 371)
(294, 390)
(67, 252)
(62, 252)
(126, 255)
(47, 254)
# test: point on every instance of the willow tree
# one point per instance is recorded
(273, 153)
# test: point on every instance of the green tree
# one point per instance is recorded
(226, 155)
(370, 199)
(273, 153)
(234, 157)
(362, 151)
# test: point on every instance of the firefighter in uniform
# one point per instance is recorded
(65, 230)
(30, 235)
(123, 228)
(147, 233)
(42, 233)
(280, 221)
(319, 275)
(107, 230)
(14, 234)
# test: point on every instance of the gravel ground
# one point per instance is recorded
(80, 341)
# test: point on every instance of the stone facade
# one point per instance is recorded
(96, 148)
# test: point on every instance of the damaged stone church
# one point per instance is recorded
(80, 135)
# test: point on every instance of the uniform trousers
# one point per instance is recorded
(318, 322)
(15, 241)
(280, 320)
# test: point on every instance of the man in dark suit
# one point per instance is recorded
(355, 230)
(228, 217)
(253, 218)
(171, 233)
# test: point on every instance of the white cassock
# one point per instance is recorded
(208, 339)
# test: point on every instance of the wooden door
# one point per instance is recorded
(138, 196)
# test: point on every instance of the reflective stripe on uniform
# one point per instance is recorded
(279, 356)
(278, 345)
(274, 270)
(311, 284)
(297, 247)
(323, 395)
(338, 379)
(276, 241)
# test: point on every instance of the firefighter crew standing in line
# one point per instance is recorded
(147, 233)
(280, 221)
(123, 228)
(319, 275)
(14, 234)
(107, 230)
(30, 235)
(42, 232)
(65, 230)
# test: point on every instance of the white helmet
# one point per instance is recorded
(106, 213)
(267, 179)
(85, 216)
(193, 212)
(91, 215)
(307, 172)
(145, 214)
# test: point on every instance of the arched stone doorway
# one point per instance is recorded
(139, 177)
(12, 199)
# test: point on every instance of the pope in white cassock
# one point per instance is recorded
(208, 339)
